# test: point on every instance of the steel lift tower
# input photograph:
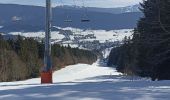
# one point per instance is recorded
(46, 74)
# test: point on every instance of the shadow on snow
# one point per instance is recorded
(104, 90)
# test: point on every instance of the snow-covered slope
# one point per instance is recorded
(106, 52)
(86, 82)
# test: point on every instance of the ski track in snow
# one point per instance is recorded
(86, 82)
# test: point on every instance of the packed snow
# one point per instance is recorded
(106, 52)
(86, 82)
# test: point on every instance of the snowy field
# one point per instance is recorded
(86, 82)
(101, 35)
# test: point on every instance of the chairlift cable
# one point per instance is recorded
(85, 8)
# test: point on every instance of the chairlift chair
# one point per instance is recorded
(68, 20)
(85, 16)
(85, 20)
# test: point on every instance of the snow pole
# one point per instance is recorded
(46, 74)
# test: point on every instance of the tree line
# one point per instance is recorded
(147, 54)
(22, 58)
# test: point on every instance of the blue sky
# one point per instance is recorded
(91, 3)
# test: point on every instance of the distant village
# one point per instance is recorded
(77, 40)
(87, 41)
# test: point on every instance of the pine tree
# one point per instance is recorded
(154, 36)
(148, 53)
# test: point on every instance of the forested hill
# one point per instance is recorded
(31, 18)
(23, 58)
(148, 53)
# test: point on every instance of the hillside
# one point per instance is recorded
(118, 10)
(84, 39)
(23, 58)
(147, 54)
(19, 18)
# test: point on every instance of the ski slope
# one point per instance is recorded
(86, 82)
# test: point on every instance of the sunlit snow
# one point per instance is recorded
(86, 82)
